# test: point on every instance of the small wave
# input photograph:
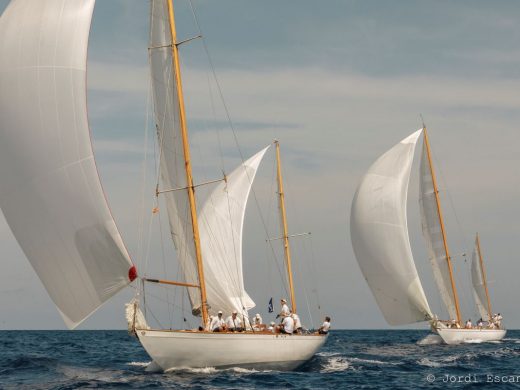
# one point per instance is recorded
(335, 364)
(370, 361)
(242, 370)
(446, 361)
(431, 339)
(328, 354)
(138, 364)
(202, 370)
(429, 363)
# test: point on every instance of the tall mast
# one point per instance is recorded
(443, 231)
(283, 216)
(187, 164)
(484, 276)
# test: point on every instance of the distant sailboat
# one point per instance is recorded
(380, 239)
(52, 198)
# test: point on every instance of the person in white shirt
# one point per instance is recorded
(469, 325)
(257, 323)
(285, 309)
(499, 320)
(272, 327)
(325, 327)
(287, 325)
(233, 323)
(217, 323)
(297, 323)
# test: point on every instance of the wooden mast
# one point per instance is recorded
(484, 276)
(189, 179)
(443, 231)
(286, 247)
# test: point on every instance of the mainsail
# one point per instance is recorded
(221, 222)
(479, 287)
(172, 162)
(432, 232)
(379, 232)
(51, 195)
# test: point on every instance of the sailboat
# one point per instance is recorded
(53, 201)
(381, 243)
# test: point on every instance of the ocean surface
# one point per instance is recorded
(351, 359)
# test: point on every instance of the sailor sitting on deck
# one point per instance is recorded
(257, 323)
(469, 325)
(287, 325)
(272, 327)
(285, 309)
(325, 327)
(217, 323)
(480, 323)
(233, 323)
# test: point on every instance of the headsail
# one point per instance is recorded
(479, 284)
(172, 162)
(379, 232)
(432, 233)
(221, 221)
(51, 195)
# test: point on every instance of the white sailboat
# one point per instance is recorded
(53, 201)
(380, 239)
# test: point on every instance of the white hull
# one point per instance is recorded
(460, 336)
(179, 349)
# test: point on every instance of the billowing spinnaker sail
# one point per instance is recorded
(479, 289)
(221, 221)
(50, 194)
(172, 164)
(432, 233)
(379, 233)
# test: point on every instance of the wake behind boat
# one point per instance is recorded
(380, 239)
(53, 200)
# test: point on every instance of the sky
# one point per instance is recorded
(337, 83)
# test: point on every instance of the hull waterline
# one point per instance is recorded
(178, 349)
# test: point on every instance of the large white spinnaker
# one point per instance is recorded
(379, 232)
(432, 233)
(172, 162)
(50, 191)
(221, 222)
(479, 288)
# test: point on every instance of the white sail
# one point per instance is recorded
(50, 194)
(173, 173)
(479, 289)
(433, 235)
(221, 221)
(379, 233)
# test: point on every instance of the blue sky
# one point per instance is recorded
(338, 83)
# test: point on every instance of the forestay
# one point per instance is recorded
(432, 233)
(479, 288)
(50, 194)
(379, 232)
(221, 222)
(172, 162)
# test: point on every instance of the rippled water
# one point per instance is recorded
(350, 359)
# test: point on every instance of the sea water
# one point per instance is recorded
(370, 359)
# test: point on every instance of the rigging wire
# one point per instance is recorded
(228, 116)
(464, 295)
